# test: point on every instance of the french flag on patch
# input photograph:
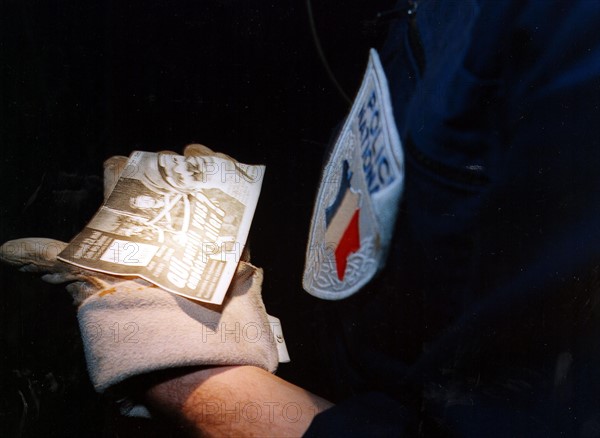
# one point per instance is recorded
(342, 223)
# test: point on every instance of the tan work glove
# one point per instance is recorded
(131, 327)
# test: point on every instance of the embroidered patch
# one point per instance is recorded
(358, 198)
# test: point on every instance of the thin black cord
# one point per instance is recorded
(315, 36)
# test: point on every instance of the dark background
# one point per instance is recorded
(81, 81)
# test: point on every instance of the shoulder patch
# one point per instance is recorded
(357, 201)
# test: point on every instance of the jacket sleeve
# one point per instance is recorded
(506, 326)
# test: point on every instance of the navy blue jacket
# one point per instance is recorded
(485, 321)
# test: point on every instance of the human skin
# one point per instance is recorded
(234, 401)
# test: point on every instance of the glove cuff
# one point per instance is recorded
(135, 329)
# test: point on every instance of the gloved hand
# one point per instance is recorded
(130, 326)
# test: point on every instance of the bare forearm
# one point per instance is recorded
(236, 401)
